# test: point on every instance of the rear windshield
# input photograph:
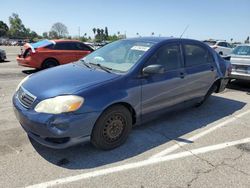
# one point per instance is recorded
(210, 43)
(41, 43)
(241, 50)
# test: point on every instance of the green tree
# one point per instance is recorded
(53, 35)
(106, 32)
(45, 35)
(3, 29)
(94, 30)
(60, 29)
(113, 38)
(33, 35)
(17, 29)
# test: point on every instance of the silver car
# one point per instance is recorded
(2, 55)
(240, 60)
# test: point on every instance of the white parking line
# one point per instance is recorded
(143, 163)
(12, 54)
(199, 135)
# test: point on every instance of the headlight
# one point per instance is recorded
(60, 104)
(23, 80)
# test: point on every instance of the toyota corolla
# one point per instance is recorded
(102, 96)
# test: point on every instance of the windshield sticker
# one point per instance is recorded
(140, 48)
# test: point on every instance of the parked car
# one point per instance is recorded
(50, 53)
(240, 59)
(2, 55)
(116, 87)
(221, 47)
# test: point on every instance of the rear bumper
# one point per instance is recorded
(26, 62)
(240, 76)
(55, 131)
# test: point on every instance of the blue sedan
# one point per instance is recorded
(125, 83)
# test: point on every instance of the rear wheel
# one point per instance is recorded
(112, 128)
(221, 53)
(49, 63)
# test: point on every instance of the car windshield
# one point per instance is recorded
(241, 50)
(120, 55)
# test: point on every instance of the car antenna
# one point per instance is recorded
(184, 31)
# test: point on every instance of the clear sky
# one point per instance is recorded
(219, 19)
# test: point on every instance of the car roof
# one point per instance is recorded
(159, 39)
(64, 40)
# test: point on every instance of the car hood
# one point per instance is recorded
(65, 79)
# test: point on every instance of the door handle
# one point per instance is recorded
(182, 75)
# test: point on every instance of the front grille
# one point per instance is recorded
(25, 98)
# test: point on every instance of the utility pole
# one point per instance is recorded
(79, 31)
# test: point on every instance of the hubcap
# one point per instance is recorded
(114, 127)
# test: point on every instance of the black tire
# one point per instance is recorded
(221, 53)
(211, 90)
(112, 128)
(49, 63)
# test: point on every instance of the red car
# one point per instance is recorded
(50, 53)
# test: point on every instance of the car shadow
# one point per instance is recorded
(31, 71)
(171, 126)
(239, 85)
(5, 61)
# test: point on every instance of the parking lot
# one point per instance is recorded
(207, 146)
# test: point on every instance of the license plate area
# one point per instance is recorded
(242, 69)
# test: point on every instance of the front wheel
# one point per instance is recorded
(112, 128)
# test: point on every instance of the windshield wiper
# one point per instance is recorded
(85, 63)
(107, 69)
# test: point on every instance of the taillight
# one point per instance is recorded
(27, 52)
(229, 69)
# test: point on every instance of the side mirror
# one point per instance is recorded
(153, 69)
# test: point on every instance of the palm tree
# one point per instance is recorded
(102, 33)
(118, 33)
(98, 31)
(94, 30)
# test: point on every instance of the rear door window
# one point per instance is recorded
(169, 56)
(196, 55)
(63, 46)
(81, 46)
(222, 44)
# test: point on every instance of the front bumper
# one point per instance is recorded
(55, 131)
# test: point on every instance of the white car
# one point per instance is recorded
(240, 60)
(221, 47)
